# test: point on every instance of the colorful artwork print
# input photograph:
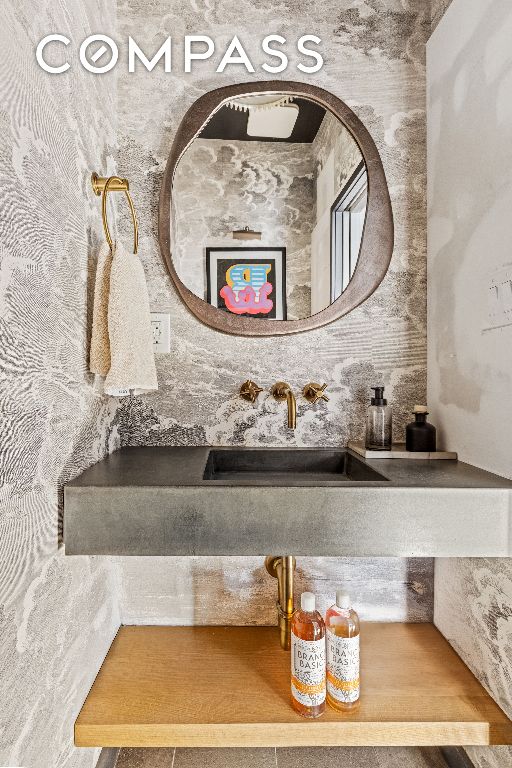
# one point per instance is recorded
(248, 289)
(247, 281)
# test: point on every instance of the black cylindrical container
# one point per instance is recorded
(419, 434)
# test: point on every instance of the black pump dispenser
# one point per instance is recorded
(378, 398)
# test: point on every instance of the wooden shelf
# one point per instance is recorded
(229, 686)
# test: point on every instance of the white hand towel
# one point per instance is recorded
(129, 328)
(99, 358)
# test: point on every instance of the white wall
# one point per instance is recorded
(469, 87)
(470, 230)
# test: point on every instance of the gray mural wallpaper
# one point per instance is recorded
(57, 615)
(473, 609)
(381, 342)
(182, 590)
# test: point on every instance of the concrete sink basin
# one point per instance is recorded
(266, 466)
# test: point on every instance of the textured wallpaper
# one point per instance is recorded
(57, 615)
(473, 609)
(379, 69)
(265, 185)
(238, 590)
(375, 61)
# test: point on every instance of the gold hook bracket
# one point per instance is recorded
(102, 186)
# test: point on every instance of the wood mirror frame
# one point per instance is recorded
(376, 245)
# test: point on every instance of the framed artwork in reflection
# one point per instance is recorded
(247, 281)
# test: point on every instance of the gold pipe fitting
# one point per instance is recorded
(281, 567)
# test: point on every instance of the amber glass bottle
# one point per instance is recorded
(342, 628)
(308, 658)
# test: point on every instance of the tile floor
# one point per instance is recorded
(319, 757)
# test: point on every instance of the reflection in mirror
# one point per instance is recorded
(268, 208)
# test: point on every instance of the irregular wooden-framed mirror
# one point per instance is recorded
(275, 214)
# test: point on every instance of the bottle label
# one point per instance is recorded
(342, 667)
(308, 671)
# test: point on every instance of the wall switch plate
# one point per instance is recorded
(500, 298)
(161, 327)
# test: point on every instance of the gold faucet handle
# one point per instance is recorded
(314, 392)
(250, 391)
(279, 390)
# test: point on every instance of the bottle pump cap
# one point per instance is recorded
(343, 600)
(378, 398)
(307, 602)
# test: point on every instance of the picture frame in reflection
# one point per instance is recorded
(248, 282)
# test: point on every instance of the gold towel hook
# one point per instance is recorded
(102, 186)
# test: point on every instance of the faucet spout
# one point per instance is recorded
(292, 409)
(282, 391)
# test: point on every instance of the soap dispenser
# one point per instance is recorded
(419, 434)
(378, 422)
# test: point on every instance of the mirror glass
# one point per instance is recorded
(268, 208)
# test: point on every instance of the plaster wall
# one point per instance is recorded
(469, 75)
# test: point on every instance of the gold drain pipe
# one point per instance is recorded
(281, 567)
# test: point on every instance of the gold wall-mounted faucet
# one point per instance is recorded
(282, 391)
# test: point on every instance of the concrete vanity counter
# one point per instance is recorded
(155, 501)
